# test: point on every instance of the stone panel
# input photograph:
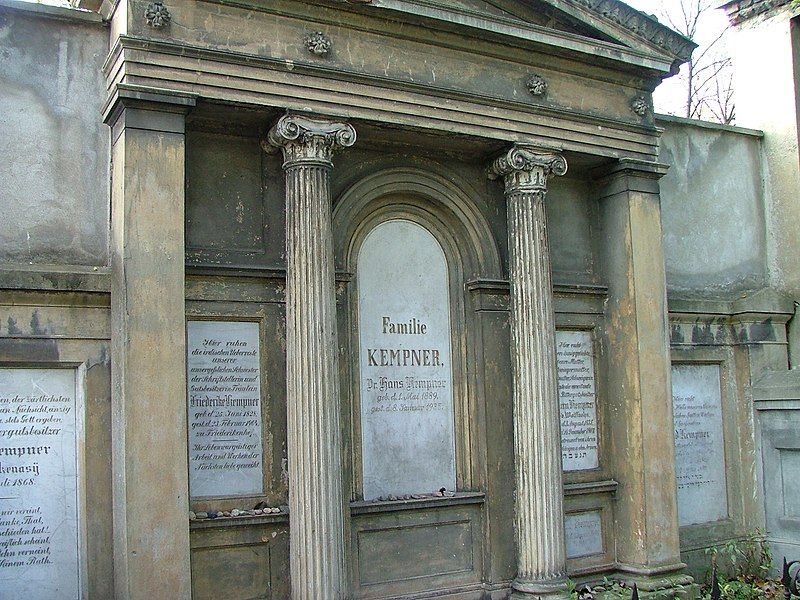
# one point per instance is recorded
(406, 378)
(699, 444)
(41, 535)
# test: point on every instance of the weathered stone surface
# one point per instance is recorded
(314, 434)
(149, 351)
(539, 513)
(55, 200)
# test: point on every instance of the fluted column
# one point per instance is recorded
(316, 514)
(539, 510)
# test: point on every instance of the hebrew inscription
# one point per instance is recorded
(577, 400)
(407, 440)
(699, 444)
(39, 529)
(224, 394)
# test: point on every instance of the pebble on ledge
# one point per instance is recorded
(235, 513)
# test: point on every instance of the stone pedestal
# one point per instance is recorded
(314, 435)
(150, 474)
(539, 512)
(641, 447)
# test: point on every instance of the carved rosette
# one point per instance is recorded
(305, 140)
(156, 14)
(318, 43)
(639, 106)
(526, 169)
(537, 85)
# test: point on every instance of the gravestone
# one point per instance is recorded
(699, 444)
(407, 440)
(577, 400)
(40, 534)
(224, 395)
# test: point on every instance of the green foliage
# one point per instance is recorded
(743, 567)
(748, 558)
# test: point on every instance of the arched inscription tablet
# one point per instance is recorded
(405, 370)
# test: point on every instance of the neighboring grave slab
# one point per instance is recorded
(583, 533)
(40, 534)
(577, 400)
(407, 440)
(699, 444)
(224, 395)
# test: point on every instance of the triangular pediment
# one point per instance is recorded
(599, 26)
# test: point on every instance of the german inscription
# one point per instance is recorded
(584, 534)
(699, 444)
(224, 389)
(39, 530)
(404, 350)
(577, 400)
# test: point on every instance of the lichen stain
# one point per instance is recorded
(36, 326)
(12, 327)
(763, 331)
(702, 334)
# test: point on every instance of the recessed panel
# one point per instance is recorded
(400, 553)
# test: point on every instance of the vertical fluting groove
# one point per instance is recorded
(539, 518)
(315, 482)
(316, 522)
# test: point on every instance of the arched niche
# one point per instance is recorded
(445, 216)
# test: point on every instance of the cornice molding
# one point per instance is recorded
(740, 11)
(314, 69)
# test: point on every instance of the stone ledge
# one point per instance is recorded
(368, 507)
(241, 521)
(766, 302)
(608, 486)
(51, 278)
(52, 12)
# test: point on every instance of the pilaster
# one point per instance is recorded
(539, 510)
(317, 556)
(150, 474)
(639, 390)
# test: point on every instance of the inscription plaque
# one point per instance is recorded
(407, 439)
(224, 394)
(699, 444)
(584, 534)
(39, 519)
(577, 400)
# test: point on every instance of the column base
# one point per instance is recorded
(663, 582)
(528, 589)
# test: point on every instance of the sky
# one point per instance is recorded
(670, 96)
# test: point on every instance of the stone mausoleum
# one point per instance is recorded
(367, 299)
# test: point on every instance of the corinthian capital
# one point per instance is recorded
(306, 140)
(526, 168)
